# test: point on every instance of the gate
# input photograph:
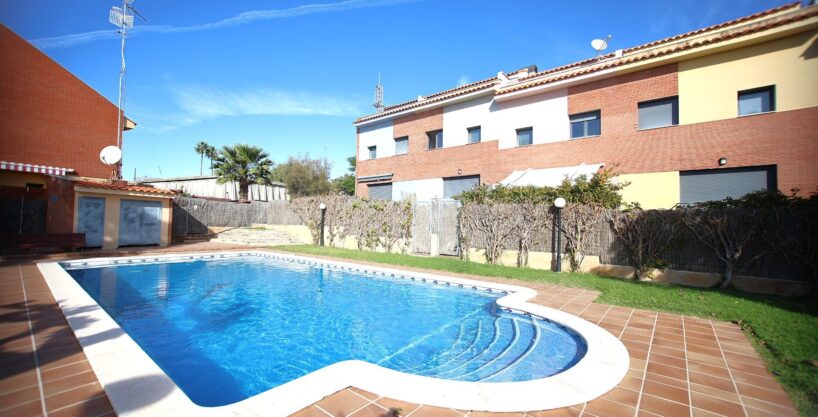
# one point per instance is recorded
(436, 219)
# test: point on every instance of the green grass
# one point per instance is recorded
(783, 330)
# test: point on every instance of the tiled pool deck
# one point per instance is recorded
(680, 366)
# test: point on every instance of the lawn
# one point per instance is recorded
(783, 330)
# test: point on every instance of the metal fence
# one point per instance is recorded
(436, 218)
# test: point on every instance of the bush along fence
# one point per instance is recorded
(366, 224)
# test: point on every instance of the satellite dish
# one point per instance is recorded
(600, 44)
(110, 155)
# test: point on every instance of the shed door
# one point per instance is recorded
(455, 186)
(91, 220)
(718, 184)
(380, 192)
(140, 222)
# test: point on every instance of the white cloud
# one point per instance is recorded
(64, 41)
(463, 80)
(209, 103)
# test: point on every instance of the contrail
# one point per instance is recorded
(74, 39)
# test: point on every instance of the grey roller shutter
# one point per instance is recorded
(455, 186)
(380, 191)
(659, 113)
(718, 184)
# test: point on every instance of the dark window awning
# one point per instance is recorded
(376, 178)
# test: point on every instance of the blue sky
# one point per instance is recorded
(291, 76)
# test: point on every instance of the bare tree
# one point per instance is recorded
(727, 233)
(492, 224)
(579, 222)
(307, 208)
(532, 221)
(646, 235)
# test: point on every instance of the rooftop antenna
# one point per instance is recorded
(600, 45)
(378, 95)
(122, 17)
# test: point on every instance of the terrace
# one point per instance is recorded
(680, 365)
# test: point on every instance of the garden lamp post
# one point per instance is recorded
(323, 208)
(559, 203)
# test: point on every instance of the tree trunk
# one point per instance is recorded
(201, 161)
(728, 277)
(243, 191)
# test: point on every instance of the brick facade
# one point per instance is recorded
(786, 139)
(49, 116)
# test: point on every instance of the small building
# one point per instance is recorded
(207, 186)
(52, 128)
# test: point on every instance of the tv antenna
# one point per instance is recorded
(378, 95)
(122, 17)
(600, 45)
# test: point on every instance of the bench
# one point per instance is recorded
(71, 241)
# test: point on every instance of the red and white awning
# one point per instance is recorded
(37, 169)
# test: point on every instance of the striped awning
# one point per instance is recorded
(37, 169)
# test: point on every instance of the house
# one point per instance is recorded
(52, 129)
(208, 186)
(716, 112)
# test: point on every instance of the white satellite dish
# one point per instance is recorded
(600, 44)
(110, 155)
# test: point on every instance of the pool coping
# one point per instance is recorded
(128, 375)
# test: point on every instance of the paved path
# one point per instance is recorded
(680, 366)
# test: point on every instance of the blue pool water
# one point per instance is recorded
(227, 329)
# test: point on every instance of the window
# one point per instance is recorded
(585, 124)
(659, 113)
(373, 152)
(456, 185)
(402, 145)
(380, 191)
(435, 139)
(474, 134)
(757, 100)
(718, 184)
(525, 136)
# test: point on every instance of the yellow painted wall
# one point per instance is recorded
(19, 179)
(655, 190)
(110, 237)
(709, 86)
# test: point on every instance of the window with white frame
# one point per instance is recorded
(402, 145)
(435, 139)
(586, 124)
(659, 113)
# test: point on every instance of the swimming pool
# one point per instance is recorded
(229, 328)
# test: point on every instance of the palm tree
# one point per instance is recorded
(245, 164)
(211, 154)
(201, 149)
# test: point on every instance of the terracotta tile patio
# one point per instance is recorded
(680, 366)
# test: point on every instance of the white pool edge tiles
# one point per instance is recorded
(137, 386)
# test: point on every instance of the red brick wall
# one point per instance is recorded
(49, 116)
(786, 139)
(60, 212)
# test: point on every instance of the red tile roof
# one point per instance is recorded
(673, 44)
(657, 51)
(127, 188)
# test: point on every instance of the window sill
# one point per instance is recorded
(756, 114)
(525, 145)
(654, 128)
(585, 137)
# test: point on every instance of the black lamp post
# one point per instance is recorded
(559, 203)
(323, 208)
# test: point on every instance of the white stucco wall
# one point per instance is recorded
(377, 134)
(547, 113)
(457, 118)
(424, 190)
(210, 187)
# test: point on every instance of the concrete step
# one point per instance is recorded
(256, 237)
